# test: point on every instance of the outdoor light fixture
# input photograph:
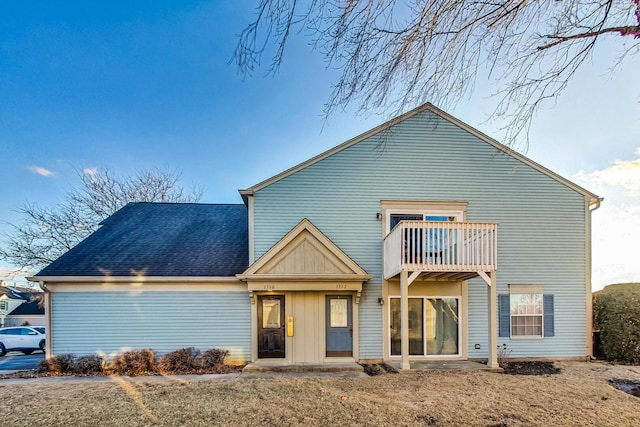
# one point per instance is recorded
(378, 216)
(381, 301)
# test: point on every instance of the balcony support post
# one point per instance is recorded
(492, 361)
(404, 319)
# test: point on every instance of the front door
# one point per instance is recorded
(271, 326)
(339, 320)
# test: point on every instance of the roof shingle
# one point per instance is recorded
(162, 239)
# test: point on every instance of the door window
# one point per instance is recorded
(338, 313)
(270, 313)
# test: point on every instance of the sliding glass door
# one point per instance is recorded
(434, 326)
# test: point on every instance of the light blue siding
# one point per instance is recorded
(541, 232)
(112, 322)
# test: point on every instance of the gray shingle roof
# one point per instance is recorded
(29, 308)
(162, 239)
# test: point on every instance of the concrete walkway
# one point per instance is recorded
(269, 366)
(261, 370)
(444, 365)
(151, 378)
(183, 378)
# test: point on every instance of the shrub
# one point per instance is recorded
(133, 363)
(60, 364)
(87, 365)
(214, 357)
(616, 311)
(180, 361)
(190, 360)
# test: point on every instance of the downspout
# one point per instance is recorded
(47, 320)
(591, 205)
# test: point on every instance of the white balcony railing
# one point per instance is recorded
(440, 247)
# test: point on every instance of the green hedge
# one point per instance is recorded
(616, 312)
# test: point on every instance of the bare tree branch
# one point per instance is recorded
(45, 233)
(394, 54)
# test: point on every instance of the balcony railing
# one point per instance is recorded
(447, 247)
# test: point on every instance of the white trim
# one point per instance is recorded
(147, 287)
(526, 289)
(251, 218)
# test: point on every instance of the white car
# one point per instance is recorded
(26, 339)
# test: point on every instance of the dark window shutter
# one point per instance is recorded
(504, 316)
(549, 326)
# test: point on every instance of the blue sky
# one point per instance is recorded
(130, 85)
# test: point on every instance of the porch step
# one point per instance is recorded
(265, 367)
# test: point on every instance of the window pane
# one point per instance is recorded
(526, 304)
(396, 218)
(442, 326)
(416, 343)
(338, 313)
(394, 325)
(530, 326)
(416, 339)
(270, 313)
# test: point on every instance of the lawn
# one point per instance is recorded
(580, 395)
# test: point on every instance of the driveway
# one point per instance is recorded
(18, 361)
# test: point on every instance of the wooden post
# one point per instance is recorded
(404, 319)
(492, 361)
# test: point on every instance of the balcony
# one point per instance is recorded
(441, 250)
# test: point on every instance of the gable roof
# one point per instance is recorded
(425, 107)
(305, 253)
(161, 239)
(18, 294)
(31, 307)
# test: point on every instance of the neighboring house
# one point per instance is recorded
(20, 306)
(420, 239)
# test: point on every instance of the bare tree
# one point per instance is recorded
(45, 233)
(396, 54)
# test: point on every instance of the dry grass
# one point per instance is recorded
(579, 396)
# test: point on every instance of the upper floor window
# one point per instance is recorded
(395, 215)
(395, 218)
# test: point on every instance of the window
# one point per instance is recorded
(526, 315)
(439, 216)
(525, 312)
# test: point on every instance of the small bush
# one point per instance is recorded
(60, 364)
(87, 365)
(140, 362)
(214, 357)
(189, 360)
(616, 311)
(133, 363)
(180, 361)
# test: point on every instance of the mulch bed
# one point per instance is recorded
(373, 369)
(222, 369)
(628, 386)
(530, 368)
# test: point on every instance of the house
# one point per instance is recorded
(18, 307)
(420, 239)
